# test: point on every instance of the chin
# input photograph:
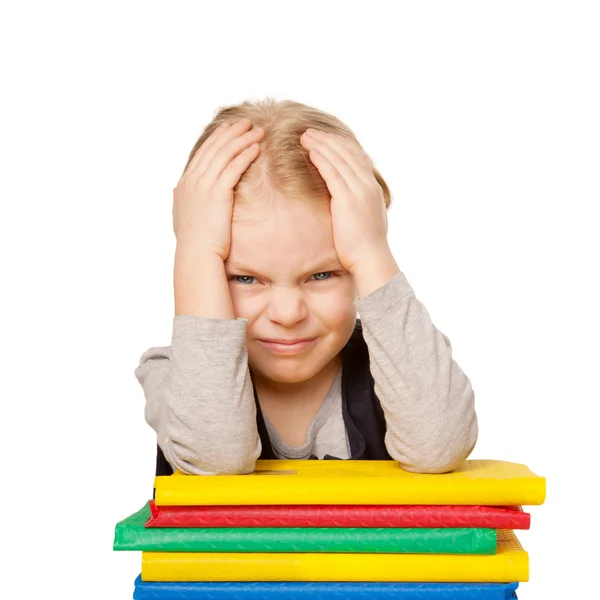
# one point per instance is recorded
(288, 372)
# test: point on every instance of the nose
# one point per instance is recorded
(286, 306)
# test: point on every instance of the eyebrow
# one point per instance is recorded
(331, 263)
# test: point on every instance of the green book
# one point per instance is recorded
(130, 534)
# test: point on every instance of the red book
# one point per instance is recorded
(493, 517)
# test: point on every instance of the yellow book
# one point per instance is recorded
(483, 482)
(511, 563)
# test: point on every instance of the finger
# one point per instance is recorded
(215, 141)
(234, 170)
(345, 170)
(337, 149)
(351, 145)
(229, 151)
(219, 130)
(336, 184)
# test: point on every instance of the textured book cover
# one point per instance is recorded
(338, 482)
(510, 563)
(310, 515)
(276, 590)
(130, 534)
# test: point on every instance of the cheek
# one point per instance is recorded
(244, 305)
(334, 308)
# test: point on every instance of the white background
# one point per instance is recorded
(483, 117)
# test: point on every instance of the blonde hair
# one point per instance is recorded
(283, 162)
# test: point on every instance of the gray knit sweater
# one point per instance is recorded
(200, 400)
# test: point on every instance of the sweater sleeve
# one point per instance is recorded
(428, 401)
(200, 398)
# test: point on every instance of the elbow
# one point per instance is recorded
(444, 463)
(432, 465)
(447, 457)
(240, 464)
(229, 467)
(456, 451)
(203, 461)
(454, 441)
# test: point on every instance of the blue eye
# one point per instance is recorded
(238, 277)
(329, 273)
(249, 279)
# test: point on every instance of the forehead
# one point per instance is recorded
(283, 238)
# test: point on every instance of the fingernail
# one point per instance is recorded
(244, 121)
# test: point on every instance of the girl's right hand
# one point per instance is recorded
(203, 198)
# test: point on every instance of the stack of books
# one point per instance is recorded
(352, 529)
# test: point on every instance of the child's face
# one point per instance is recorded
(285, 278)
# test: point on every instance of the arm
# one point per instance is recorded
(428, 401)
(199, 394)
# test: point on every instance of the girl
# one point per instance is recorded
(281, 228)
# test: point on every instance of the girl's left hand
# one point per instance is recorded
(357, 204)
